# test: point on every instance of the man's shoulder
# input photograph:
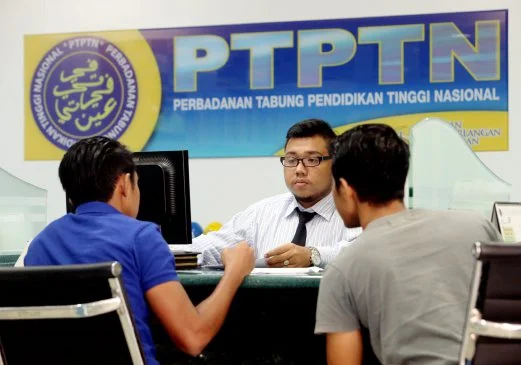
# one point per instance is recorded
(358, 251)
(456, 217)
(130, 227)
(56, 226)
(353, 263)
(430, 217)
(120, 223)
(467, 215)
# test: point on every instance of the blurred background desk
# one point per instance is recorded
(8, 260)
(271, 321)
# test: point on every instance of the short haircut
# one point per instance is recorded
(373, 160)
(311, 128)
(90, 168)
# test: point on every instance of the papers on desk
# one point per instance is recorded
(213, 267)
(274, 271)
(185, 259)
(287, 270)
(258, 263)
(180, 247)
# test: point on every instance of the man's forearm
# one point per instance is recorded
(213, 310)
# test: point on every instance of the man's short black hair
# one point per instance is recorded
(90, 168)
(373, 160)
(311, 128)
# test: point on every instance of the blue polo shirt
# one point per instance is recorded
(100, 233)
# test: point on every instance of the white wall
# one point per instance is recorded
(225, 186)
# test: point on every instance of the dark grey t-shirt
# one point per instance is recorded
(407, 279)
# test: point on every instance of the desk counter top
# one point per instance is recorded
(210, 277)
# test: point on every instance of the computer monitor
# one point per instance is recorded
(165, 193)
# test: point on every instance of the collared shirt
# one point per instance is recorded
(272, 222)
(100, 233)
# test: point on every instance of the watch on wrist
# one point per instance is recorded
(315, 259)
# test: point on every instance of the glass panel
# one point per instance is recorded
(446, 174)
(23, 212)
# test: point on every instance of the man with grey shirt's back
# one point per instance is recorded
(407, 278)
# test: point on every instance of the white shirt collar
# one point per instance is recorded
(325, 207)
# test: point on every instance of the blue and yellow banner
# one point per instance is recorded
(234, 90)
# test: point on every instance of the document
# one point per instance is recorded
(258, 263)
(288, 270)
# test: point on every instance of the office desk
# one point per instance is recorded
(271, 321)
(264, 281)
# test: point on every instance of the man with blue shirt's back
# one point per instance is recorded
(99, 176)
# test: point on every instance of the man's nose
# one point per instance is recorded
(300, 168)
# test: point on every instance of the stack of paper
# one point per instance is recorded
(185, 259)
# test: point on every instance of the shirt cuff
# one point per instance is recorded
(211, 256)
(327, 254)
(160, 279)
(325, 327)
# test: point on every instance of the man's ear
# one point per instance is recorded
(347, 190)
(120, 188)
(127, 185)
(342, 187)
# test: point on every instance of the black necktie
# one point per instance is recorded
(300, 234)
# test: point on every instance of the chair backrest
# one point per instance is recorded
(492, 333)
(74, 314)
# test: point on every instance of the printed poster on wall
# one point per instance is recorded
(234, 90)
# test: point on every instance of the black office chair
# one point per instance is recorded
(493, 330)
(74, 314)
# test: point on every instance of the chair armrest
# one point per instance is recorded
(61, 311)
(493, 329)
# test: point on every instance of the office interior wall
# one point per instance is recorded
(219, 187)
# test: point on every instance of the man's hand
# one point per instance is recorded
(289, 255)
(238, 260)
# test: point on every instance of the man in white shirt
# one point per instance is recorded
(300, 228)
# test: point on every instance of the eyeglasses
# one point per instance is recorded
(306, 161)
